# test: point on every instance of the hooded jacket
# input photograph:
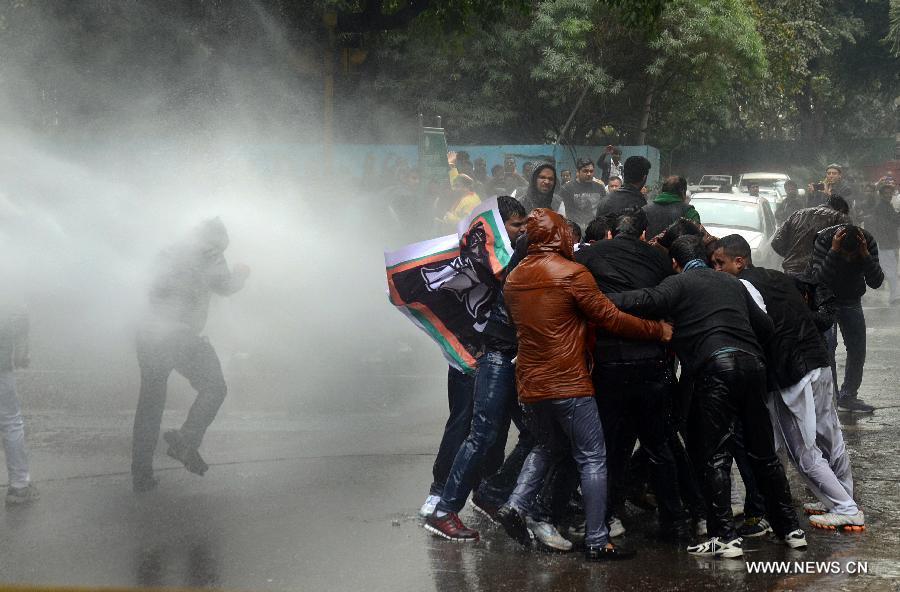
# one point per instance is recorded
(551, 300)
(534, 198)
(189, 273)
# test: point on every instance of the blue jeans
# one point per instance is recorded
(495, 393)
(553, 423)
(496, 489)
(852, 321)
(460, 393)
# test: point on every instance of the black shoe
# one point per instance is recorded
(486, 509)
(607, 553)
(143, 483)
(754, 526)
(186, 455)
(678, 531)
(855, 404)
(514, 524)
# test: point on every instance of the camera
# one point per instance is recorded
(819, 186)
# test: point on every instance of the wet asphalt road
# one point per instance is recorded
(325, 499)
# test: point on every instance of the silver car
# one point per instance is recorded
(740, 213)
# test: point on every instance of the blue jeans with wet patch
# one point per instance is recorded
(495, 393)
(496, 489)
(577, 421)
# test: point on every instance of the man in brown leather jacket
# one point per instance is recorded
(551, 299)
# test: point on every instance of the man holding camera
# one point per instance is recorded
(845, 259)
(833, 184)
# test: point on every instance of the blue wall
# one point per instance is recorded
(351, 157)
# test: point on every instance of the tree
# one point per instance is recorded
(520, 77)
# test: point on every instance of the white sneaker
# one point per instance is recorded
(831, 521)
(716, 547)
(428, 507)
(795, 539)
(547, 535)
(814, 508)
(700, 528)
(616, 528)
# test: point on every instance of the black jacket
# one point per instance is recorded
(883, 221)
(618, 265)
(660, 216)
(625, 199)
(819, 298)
(499, 331)
(710, 310)
(820, 198)
(787, 207)
(794, 240)
(847, 279)
(797, 347)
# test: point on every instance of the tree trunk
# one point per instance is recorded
(645, 119)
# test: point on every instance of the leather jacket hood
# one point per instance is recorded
(548, 232)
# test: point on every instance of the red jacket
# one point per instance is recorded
(551, 300)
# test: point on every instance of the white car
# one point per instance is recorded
(710, 183)
(740, 213)
(771, 185)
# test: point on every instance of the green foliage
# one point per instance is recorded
(520, 76)
(638, 14)
(893, 36)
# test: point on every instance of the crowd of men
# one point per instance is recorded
(645, 328)
(641, 328)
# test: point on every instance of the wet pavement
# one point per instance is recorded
(324, 498)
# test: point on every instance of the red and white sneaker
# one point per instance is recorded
(451, 528)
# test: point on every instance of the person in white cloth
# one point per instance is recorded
(803, 415)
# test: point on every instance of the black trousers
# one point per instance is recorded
(193, 357)
(634, 399)
(733, 385)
